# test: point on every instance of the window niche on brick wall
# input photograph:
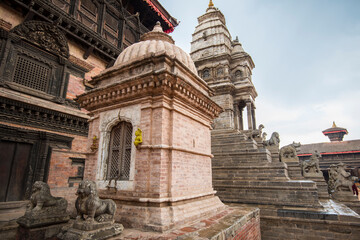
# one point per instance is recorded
(117, 151)
(80, 164)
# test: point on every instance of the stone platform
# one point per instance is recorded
(232, 223)
(332, 221)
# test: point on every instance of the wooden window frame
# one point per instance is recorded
(120, 154)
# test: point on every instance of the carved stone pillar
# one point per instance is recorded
(253, 117)
(241, 118)
(236, 116)
(249, 115)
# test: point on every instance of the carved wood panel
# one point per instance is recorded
(13, 170)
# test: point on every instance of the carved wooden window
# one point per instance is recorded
(32, 74)
(206, 73)
(111, 28)
(90, 6)
(111, 21)
(120, 151)
(62, 4)
(130, 36)
(88, 13)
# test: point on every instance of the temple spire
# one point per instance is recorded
(211, 4)
(334, 125)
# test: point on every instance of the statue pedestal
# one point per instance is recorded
(39, 219)
(91, 230)
(320, 183)
(47, 232)
(294, 170)
(344, 196)
(347, 198)
(274, 150)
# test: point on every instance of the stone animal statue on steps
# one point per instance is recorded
(311, 166)
(88, 203)
(344, 179)
(257, 133)
(288, 153)
(332, 178)
(274, 139)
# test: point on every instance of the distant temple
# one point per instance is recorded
(334, 151)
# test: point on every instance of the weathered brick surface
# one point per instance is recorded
(232, 223)
(280, 229)
(76, 87)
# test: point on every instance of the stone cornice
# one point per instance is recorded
(163, 83)
(150, 59)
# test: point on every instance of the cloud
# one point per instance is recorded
(305, 122)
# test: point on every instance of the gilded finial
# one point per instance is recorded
(334, 125)
(211, 3)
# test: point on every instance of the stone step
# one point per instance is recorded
(236, 159)
(274, 195)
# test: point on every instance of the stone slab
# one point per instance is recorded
(232, 223)
(332, 221)
(31, 222)
(101, 233)
(48, 232)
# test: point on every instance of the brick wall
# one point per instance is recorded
(250, 231)
(278, 229)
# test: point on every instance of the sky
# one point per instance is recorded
(306, 55)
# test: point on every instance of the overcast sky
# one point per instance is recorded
(306, 55)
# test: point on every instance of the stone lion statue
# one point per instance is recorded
(41, 198)
(288, 152)
(343, 180)
(274, 139)
(43, 209)
(88, 203)
(311, 165)
(332, 178)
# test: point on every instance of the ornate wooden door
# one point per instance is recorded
(14, 158)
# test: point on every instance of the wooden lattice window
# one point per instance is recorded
(120, 152)
(32, 74)
(111, 21)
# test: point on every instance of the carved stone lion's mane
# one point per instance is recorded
(88, 203)
(41, 197)
(274, 139)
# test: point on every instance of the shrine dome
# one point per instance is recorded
(155, 43)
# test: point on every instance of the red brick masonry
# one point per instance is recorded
(232, 223)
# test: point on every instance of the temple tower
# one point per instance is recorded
(335, 133)
(243, 168)
(227, 68)
(241, 163)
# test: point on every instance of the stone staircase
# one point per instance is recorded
(243, 172)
